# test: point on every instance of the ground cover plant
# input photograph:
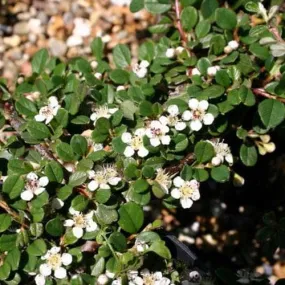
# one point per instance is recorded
(88, 147)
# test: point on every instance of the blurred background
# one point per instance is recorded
(222, 227)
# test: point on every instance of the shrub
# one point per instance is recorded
(86, 146)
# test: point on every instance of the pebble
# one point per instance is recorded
(21, 28)
(57, 47)
(82, 27)
(35, 26)
(12, 41)
(73, 41)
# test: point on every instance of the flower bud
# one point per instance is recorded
(261, 149)
(121, 88)
(102, 279)
(269, 147)
(233, 45)
(98, 75)
(195, 71)
(170, 53)
(228, 49)
(94, 64)
(20, 80)
(212, 70)
(179, 50)
(238, 181)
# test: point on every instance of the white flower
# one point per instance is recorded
(198, 115)
(195, 71)
(141, 69)
(134, 143)
(102, 112)
(186, 191)
(179, 50)
(212, 70)
(54, 261)
(233, 44)
(98, 75)
(148, 278)
(94, 64)
(102, 279)
(121, 88)
(141, 246)
(48, 112)
(195, 276)
(34, 186)
(81, 222)
(103, 177)
(223, 153)
(157, 133)
(173, 119)
(163, 179)
(170, 53)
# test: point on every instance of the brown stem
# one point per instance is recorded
(189, 158)
(276, 34)
(179, 25)
(263, 93)
(13, 214)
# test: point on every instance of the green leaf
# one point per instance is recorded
(136, 5)
(102, 195)
(213, 91)
(140, 185)
(54, 172)
(226, 18)
(122, 56)
(128, 108)
(155, 7)
(38, 130)
(77, 178)
(79, 203)
(223, 78)
(97, 48)
(246, 96)
(13, 186)
(145, 108)
(80, 120)
(13, 258)
(55, 227)
(208, 7)
(248, 155)
(106, 216)
(204, 151)
(98, 267)
(271, 112)
(202, 29)
(5, 222)
(120, 76)
(8, 242)
(36, 229)
(79, 144)
(37, 248)
(220, 173)
(26, 107)
(259, 51)
(65, 152)
(189, 18)
(118, 241)
(39, 61)
(131, 217)
(159, 247)
(5, 270)
(64, 192)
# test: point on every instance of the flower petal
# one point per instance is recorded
(155, 142)
(27, 195)
(91, 227)
(173, 110)
(40, 280)
(163, 120)
(186, 203)
(196, 125)
(126, 137)
(175, 193)
(140, 132)
(68, 223)
(39, 191)
(32, 176)
(60, 273)
(180, 126)
(128, 152)
(40, 118)
(193, 104)
(142, 152)
(178, 181)
(66, 259)
(43, 181)
(45, 269)
(165, 140)
(229, 158)
(77, 232)
(203, 105)
(52, 101)
(195, 195)
(187, 115)
(208, 119)
(93, 185)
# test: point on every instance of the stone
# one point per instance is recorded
(82, 27)
(57, 47)
(12, 41)
(74, 40)
(21, 28)
(35, 26)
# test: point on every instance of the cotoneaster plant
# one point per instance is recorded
(85, 146)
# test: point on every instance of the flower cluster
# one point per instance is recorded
(102, 112)
(103, 177)
(47, 113)
(141, 69)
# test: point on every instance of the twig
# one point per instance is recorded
(263, 93)
(189, 158)
(13, 214)
(178, 19)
